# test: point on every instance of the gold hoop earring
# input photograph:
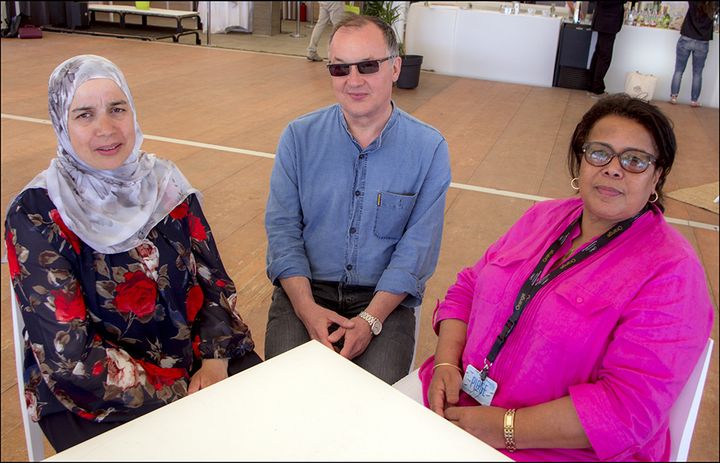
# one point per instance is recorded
(657, 196)
(575, 184)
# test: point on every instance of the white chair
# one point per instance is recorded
(34, 438)
(417, 311)
(683, 413)
(411, 386)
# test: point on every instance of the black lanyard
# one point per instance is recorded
(532, 285)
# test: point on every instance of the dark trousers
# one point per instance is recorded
(66, 429)
(600, 62)
(388, 356)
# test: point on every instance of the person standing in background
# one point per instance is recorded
(330, 12)
(695, 35)
(607, 21)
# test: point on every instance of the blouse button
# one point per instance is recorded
(579, 300)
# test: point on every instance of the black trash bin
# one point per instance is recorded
(410, 71)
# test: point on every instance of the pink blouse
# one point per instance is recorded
(619, 333)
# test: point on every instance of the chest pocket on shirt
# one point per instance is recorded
(572, 314)
(494, 278)
(392, 214)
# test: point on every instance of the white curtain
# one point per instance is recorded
(226, 16)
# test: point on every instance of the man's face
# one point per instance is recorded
(363, 96)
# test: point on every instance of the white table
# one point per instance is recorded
(177, 15)
(307, 404)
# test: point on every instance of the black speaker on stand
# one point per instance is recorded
(77, 15)
(572, 62)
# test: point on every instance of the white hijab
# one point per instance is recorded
(110, 210)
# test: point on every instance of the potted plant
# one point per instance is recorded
(389, 13)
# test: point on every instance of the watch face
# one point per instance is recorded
(376, 327)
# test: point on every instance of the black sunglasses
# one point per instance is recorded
(635, 161)
(364, 67)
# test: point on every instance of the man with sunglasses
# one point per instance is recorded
(355, 213)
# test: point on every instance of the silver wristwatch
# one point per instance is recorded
(375, 324)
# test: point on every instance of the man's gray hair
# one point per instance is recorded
(357, 21)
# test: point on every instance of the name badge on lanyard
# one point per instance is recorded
(482, 390)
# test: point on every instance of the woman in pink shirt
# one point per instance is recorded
(579, 327)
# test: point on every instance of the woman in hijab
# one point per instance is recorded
(126, 303)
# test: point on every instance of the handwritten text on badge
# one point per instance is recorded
(482, 391)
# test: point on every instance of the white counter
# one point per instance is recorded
(486, 44)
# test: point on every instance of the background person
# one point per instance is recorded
(330, 12)
(695, 35)
(126, 303)
(355, 212)
(607, 20)
(589, 314)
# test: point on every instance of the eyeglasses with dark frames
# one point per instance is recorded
(634, 161)
(364, 67)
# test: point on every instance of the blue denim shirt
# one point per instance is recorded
(370, 217)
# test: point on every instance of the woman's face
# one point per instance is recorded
(611, 194)
(101, 124)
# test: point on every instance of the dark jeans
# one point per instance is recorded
(601, 61)
(388, 356)
(699, 49)
(66, 429)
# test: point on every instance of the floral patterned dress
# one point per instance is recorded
(111, 337)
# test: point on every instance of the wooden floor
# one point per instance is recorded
(502, 136)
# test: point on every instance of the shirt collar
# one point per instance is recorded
(377, 143)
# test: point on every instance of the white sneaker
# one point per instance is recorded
(314, 57)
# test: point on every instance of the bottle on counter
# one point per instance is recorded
(552, 9)
(576, 12)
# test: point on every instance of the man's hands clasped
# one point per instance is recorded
(355, 333)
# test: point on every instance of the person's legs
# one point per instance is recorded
(389, 354)
(601, 62)
(337, 12)
(323, 19)
(238, 364)
(699, 55)
(682, 53)
(65, 429)
(284, 329)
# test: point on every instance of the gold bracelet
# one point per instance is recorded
(448, 365)
(509, 430)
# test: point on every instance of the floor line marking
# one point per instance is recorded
(458, 186)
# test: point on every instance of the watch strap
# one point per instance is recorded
(372, 320)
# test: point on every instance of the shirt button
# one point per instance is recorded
(352, 230)
(357, 192)
(348, 266)
(579, 300)
(362, 156)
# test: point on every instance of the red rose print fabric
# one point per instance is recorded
(118, 335)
